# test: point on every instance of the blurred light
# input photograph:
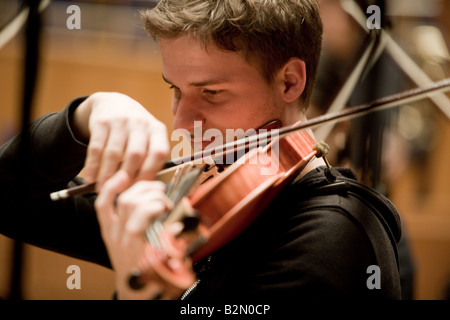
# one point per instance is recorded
(431, 44)
(410, 124)
(415, 8)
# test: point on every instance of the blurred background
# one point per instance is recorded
(401, 152)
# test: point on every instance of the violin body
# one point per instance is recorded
(230, 202)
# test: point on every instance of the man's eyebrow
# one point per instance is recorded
(201, 83)
(208, 82)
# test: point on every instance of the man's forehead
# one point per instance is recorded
(186, 60)
(190, 51)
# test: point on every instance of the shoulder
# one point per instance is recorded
(322, 238)
(334, 203)
(338, 236)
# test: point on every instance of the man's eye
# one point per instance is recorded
(211, 92)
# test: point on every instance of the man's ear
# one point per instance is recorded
(292, 79)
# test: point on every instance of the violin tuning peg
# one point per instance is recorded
(135, 281)
(190, 223)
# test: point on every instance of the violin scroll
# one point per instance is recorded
(166, 254)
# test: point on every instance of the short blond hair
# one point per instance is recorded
(267, 32)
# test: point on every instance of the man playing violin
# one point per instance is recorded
(231, 64)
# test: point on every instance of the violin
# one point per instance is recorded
(220, 209)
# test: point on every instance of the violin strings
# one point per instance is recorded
(182, 185)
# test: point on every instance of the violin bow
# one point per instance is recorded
(263, 138)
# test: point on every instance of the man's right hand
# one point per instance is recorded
(121, 134)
